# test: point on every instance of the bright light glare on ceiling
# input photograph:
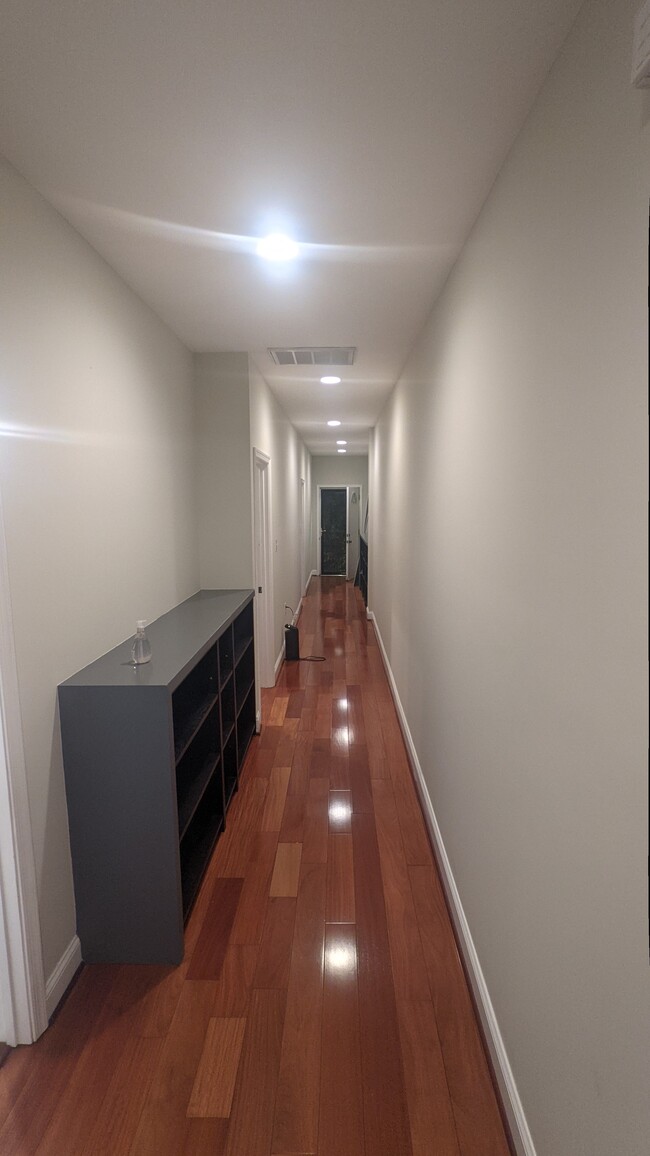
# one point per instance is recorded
(333, 423)
(342, 451)
(277, 247)
(331, 380)
(340, 442)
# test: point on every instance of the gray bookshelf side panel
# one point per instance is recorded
(121, 791)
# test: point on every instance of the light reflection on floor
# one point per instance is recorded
(341, 951)
(339, 811)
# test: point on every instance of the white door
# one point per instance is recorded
(263, 567)
(354, 522)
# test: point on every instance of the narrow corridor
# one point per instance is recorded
(321, 1007)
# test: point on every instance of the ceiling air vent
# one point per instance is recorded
(317, 355)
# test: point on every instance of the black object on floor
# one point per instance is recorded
(291, 644)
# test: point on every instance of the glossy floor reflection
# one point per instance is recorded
(340, 951)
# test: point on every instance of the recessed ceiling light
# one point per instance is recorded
(341, 443)
(333, 423)
(330, 380)
(277, 247)
(342, 451)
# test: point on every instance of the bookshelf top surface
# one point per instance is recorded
(178, 640)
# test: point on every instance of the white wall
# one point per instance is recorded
(273, 434)
(335, 470)
(97, 486)
(223, 465)
(236, 412)
(508, 577)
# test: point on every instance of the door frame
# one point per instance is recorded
(301, 534)
(22, 980)
(263, 573)
(347, 488)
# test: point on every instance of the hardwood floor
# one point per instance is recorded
(321, 1009)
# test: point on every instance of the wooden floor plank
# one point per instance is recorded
(296, 1113)
(360, 782)
(293, 819)
(416, 843)
(208, 956)
(77, 1108)
(258, 763)
(316, 828)
(372, 725)
(117, 1120)
(356, 718)
(385, 1113)
(162, 1125)
(296, 703)
(476, 1113)
(13, 1076)
(274, 959)
(340, 771)
(286, 870)
(340, 879)
(430, 1110)
(339, 810)
(214, 1083)
(340, 1130)
(235, 846)
(157, 1008)
(379, 769)
(270, 736)
(323, 722)
(233, 988)
(285, 748)
(275, 799)
(278, 710)
(321, 755)
(409, 968)
(251, 911)
(299, 781)
(339, 711)
(251, 1117)
(25, 1126)
(205, 1137)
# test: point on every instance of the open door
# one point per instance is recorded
(333, 503)
(263, 570)
(354, 525)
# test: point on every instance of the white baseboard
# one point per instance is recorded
(278, 663)
(62, 976)
(297, 614)
(510, 1098)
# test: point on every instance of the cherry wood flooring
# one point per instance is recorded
(321, 1009)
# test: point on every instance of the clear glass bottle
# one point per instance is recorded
(141, 648)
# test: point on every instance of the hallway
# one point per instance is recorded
(321, 1007)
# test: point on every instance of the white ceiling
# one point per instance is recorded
(171, 132)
